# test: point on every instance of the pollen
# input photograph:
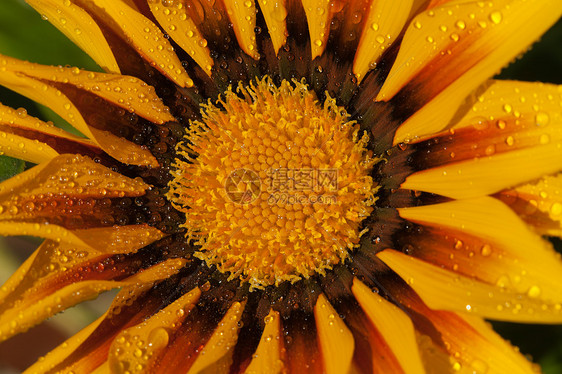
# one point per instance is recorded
(274, 184)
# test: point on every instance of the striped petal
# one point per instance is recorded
(71, 93)
(511, 135)
(183, 30)
(538, 204)
(274, 13)
(242, 14)
(451, 342)
(33, 140)
(450, 49)
(70, 191)
(22, 310)
(221, 343)
(394, 325)
(384, 24)
(269, 352)
(497, 266)
(88, 350)
(80, 27)
(141, 33)
(137, 348)
(336, 341)
(318, 15)
(468, 344)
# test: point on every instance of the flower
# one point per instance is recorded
(287, 186)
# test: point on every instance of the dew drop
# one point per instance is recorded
(486, 250)
(556, 209)
(534, 292)
(496, 17)
(542, 119)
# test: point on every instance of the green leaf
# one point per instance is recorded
(25, 35)
(10, 166)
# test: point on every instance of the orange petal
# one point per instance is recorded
(25, 312)
(137, 348)
(274, 13)
(515, 274)
(242, 15)
(318, 15)
(394, 325)
(222, 341)
(28, 138)
(143, 35)
(471, 345)
(336, 341)
(455, 342)
(75, 253)
(48, 362)
(538, 203)
(79, 27)
(129, 93)
(88, 350)
(511, 135)
(180, 26)
(456, 47)
(268, 354)
(384, 23)
(69, 190)
(50, 86)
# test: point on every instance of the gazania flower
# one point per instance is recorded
(287, 186)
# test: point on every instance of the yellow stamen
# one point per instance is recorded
(273, 185)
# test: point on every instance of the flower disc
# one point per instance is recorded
(274, 185)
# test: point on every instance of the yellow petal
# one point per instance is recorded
(384, 23)
(53, 232)
(511, 135)
(25, 149)
(462, 343)
(70, 250)
(445, 290)
(274, 13)
(318, 16)
(58, 354)
(242, 15)
(183, 30)
(538, 203)
(222, 341)
(79, 27)
(18, 76)
(84, 351)
(137, 348)
(69, 178)
(502, 355)
(393, 324)
(28, 138)
(147, 39)
(22, 314)
(336, 341)
(532, 270)
(449, 50)
(267, 357)
(129, 93)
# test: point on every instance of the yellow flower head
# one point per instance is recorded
(293, 186)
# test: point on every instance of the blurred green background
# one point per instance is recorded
(23, 34)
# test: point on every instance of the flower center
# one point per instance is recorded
(273, 185)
